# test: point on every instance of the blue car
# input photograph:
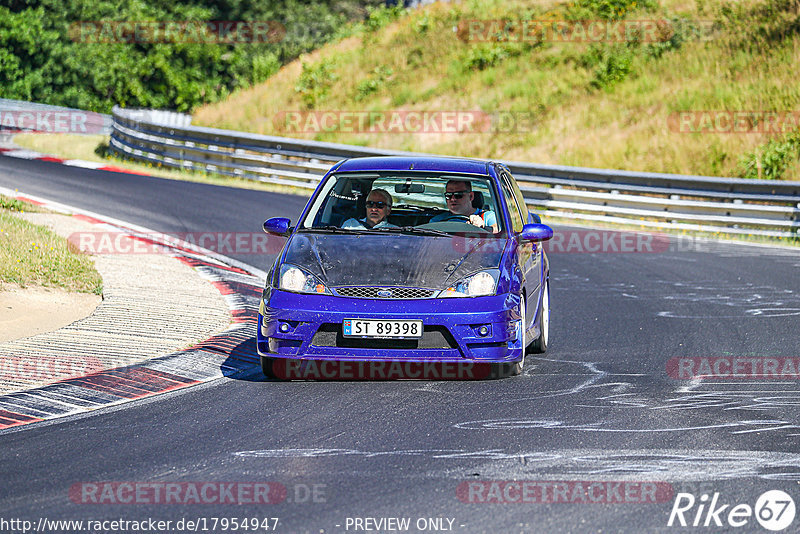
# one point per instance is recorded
(407, 267)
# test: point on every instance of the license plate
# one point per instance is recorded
(381, 328)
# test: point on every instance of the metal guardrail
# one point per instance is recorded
(11, 111)
(692, 203)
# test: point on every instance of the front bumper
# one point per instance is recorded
(292, 325)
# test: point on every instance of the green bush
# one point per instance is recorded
(381, 16)
(608, 9)
(265, 66)
(423, 24)
(315, 81)
(485, 55)
(610, 64)
(374, 83)
(676, 32)
(613, 63)
(762, 26)
(770, 160)
(42, 60)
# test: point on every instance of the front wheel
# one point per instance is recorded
(516, 368)
(539, 345)
(267, 367)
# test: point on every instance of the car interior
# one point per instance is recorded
(415, 202)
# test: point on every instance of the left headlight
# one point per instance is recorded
(476, 285)
(298, 280)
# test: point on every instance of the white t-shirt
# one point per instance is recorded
(362, 223)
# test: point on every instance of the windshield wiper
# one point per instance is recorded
(400, 230)
(334, 230)
(415, 230)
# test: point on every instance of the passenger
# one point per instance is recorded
(458, 195)
(379, 206)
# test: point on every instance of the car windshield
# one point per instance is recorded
(435, 203)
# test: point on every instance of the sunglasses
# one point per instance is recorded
(455, 194)
(373, 204)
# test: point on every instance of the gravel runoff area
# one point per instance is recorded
(153, 305)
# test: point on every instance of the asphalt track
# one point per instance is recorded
(600, 408)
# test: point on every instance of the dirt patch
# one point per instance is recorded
(35, 310)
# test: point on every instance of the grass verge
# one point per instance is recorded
(33, 255)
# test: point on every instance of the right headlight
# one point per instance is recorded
(295, 279)
(479, 284)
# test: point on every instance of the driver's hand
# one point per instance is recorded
(476, 220)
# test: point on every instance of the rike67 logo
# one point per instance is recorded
(774, 510)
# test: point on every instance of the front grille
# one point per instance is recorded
(433, 337)
(362, 292)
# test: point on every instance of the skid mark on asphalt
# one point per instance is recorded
(696, 299)
(601, 399)
(612, 394)
(758, 425)
(667, 465)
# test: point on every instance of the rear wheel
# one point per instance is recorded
(539, 344)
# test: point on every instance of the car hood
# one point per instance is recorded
(392, 259)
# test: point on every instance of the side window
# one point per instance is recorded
(520, 199)
(513, 209)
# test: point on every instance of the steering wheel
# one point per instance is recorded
(456, 217)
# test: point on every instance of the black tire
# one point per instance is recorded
(516, 368)
(266, 367)
(539, 345)
(504, 370)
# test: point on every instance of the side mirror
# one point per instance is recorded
(536, 232)
(277, 226)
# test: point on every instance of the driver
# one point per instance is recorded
(379, 206)
(459, 196)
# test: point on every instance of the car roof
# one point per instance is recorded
(416, 163)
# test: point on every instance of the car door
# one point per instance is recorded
(527, 252)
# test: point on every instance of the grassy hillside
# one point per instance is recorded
(589, 104)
